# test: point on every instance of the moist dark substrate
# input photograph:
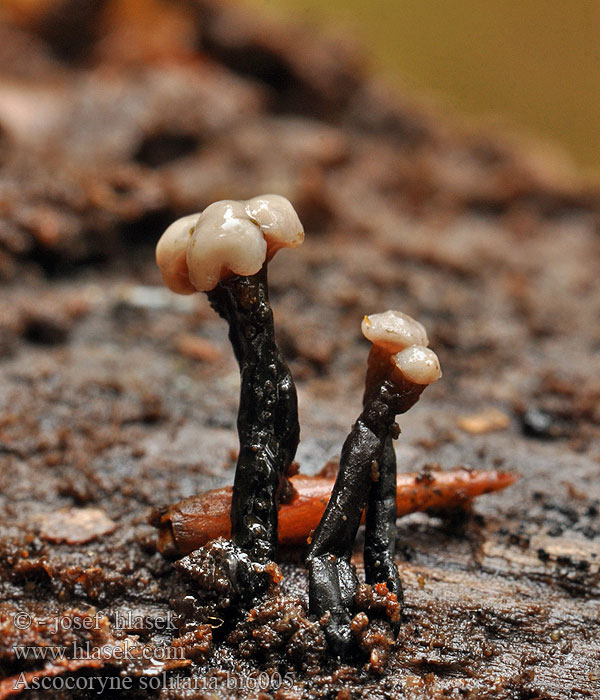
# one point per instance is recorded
(117, 397)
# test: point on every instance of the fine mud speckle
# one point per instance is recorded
(279, 629)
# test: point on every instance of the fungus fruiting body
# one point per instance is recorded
(400, 366)
(224, 251)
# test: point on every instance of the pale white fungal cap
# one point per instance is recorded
(418, 364)
(393, 331)
(229, 238)
(171, 252)
(225, 242)
(277, 220)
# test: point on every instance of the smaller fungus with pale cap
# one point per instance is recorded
(393, 331)
(417, 364)
(224, 251)
(400, 366)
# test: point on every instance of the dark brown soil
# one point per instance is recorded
(116, 118)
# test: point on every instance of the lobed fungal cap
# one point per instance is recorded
(277, 220)
(393, 331)
(417, 364)
(171, 252)
(226, 242)
(227, 238)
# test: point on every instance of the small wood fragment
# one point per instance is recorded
(75, 525)
(486, 421)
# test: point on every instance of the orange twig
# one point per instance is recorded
(193, 522)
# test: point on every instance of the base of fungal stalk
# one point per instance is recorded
(221, 567)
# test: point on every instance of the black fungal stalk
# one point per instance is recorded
(380, 526)
(332, 578)
(267, 422)
(367, 479)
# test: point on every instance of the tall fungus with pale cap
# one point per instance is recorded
(224, 251)
(228, 238)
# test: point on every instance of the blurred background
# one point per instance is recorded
(533, 65)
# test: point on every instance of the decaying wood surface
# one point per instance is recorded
(102, 407)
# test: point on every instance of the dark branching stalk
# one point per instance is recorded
(380, 534)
